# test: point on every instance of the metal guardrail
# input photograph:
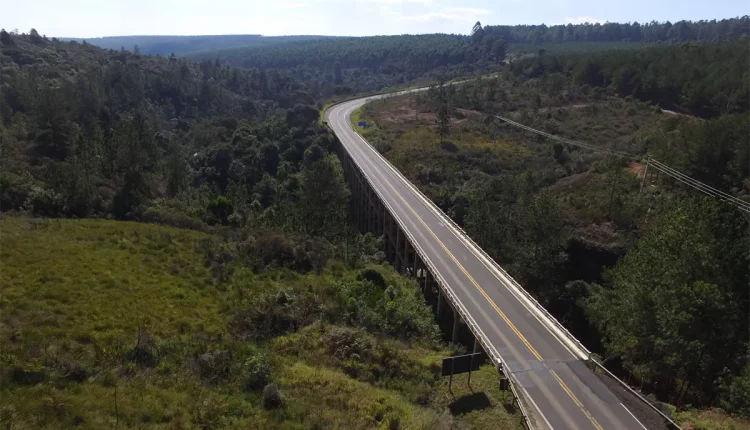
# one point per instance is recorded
(439, 212)
(530, 298)
(494, 266)
(448, 291)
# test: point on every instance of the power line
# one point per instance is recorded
(674, 173)
(700, 186)
(564, 140)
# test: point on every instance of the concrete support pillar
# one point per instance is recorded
(456, 325)
(368, 208)
(439, 311)
(476, 346)
(384, 220)
(405, 262)
(397, 250)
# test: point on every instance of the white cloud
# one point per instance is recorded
(583, 20)
(451, 14)
(400, 1)
(289, 5)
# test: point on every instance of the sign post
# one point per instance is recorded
(462, 364)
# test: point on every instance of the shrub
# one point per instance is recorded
(174, 219)
(25, 375)
(373, 276)
(449, 146)
(145, 352)
(213, 366)
(272, 315)
(45, 202)
(296, 252)
(258, 371)
(221, 208)
(14, 191)
(272, 397)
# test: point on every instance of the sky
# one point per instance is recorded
(96, 18)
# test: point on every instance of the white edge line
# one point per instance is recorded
(551, 325)
(631, 414)
(566, 339)
(467, 316)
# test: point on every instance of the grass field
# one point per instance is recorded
(108, 323)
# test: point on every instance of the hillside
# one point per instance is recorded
(270, 312)
(361, 64)
(648, 32)
(109, 323)
(620, 266)
(90, 132)
(183, 45)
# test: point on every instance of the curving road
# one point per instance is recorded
(557, 388)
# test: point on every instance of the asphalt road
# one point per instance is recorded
(561, 391)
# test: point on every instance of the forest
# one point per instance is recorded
(704, 79)
(199, 193)
(177, 252)
(680, 31)
(184, 45)
(349, 65)
(655, 283)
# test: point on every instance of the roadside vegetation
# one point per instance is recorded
(656, 285)
(109, 323)
(176, 250)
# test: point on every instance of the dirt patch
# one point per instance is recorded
(405, 111)
(638, 169)
(569, 181)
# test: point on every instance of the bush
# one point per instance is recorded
(258, 371)
(14, 191)
(28, 375)
(272, 398)
(45, 202)
(736, 396)
(449, 146)
(221, 208)
(296, 252)
(272, 315)
(213, 366)
(174, 219)
(373, 276)
(145, 352)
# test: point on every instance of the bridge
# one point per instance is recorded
(548, 369)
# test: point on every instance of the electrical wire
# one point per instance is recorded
(667, 170)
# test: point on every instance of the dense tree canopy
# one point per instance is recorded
(705, 79)
(677, 309)
(680, 31)
(369, 63)
(90, 132)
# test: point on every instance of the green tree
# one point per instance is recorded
(442, 111)
(221, 208)
(324, 198)
(675, 311)
(5, 38)
(538, 242)
(54, 133)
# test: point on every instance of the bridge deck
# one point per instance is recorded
(563, 391)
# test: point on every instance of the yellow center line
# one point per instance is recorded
(497, 309)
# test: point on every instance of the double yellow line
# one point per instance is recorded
(498, 310)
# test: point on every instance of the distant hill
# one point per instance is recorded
(358, 64)
(182, 45)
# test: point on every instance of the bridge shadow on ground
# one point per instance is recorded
(469, 403)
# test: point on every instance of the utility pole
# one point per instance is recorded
(645, 172)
